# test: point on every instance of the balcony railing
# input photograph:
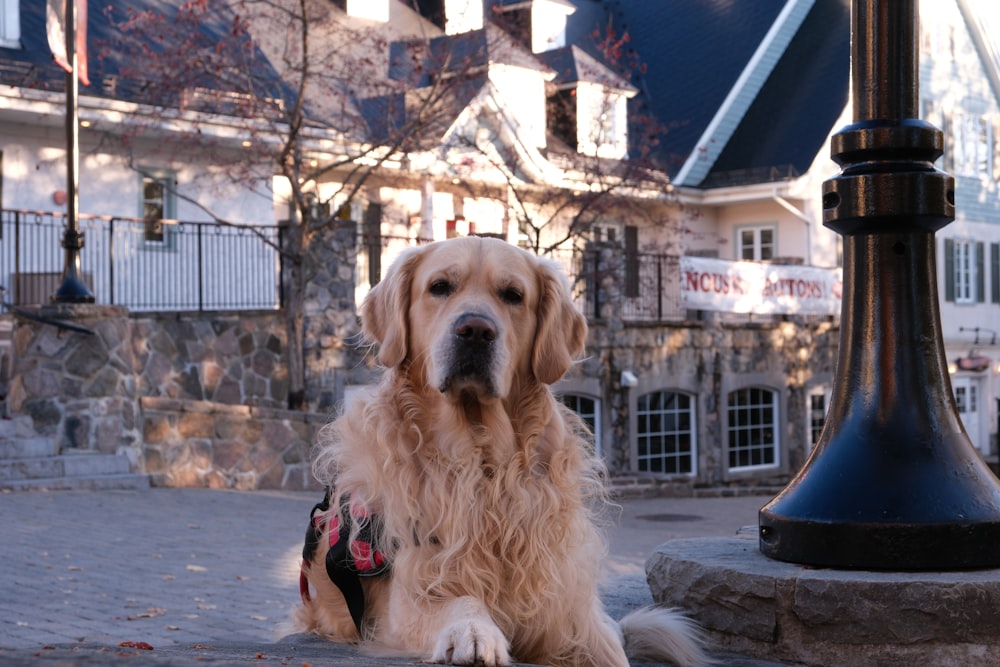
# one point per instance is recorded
(635, 287)
(146, 266)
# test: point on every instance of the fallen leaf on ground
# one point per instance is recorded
(139, 645)
(152, 612)
(196, 568)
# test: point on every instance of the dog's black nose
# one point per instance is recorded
(475, 328)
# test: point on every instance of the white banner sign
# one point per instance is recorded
(752, 287)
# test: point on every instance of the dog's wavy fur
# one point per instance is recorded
(487, 498)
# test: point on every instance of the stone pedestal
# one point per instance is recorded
(77, 388)
(755, 606)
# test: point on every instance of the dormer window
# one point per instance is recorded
(540, 25)
(515, 19)
(432, 10)
(452, 16)
(373, 10)
(587, 104)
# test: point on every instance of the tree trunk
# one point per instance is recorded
(295, 316)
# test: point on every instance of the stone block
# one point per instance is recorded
(216, 480)
(153, 460)
(772, 610)
(229, 391)
(228, 453)
(86, 359)
(108, 435)
(272, 478)
(196, 425)
(41, 381)
(229, 426)
(245, 481)
(278, 435)
(107, 382)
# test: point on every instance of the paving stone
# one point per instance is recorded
(211, 577)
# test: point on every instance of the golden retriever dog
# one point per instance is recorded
(462, 493)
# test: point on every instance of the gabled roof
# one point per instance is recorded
(572, 65)
(983, 29)
(112, 73)
(415, 61)
(785, 126)
(389, 117)
(458, 66)
(767, 77)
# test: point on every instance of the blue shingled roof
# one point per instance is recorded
(693, 53)
(110, 73)
(783, 130)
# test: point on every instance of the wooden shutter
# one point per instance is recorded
(995, 272)
(631, 261)
(980, 273)
(949, 270)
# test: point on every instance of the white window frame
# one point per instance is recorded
(741, 420)
(644, 461)
(814, 425)
(965, 271)
(10, 24)
(169, 205)
(973, 145)
(571, 399)
(756, 244)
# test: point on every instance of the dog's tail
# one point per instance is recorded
(663, 635)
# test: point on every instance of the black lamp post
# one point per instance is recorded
(72, 289)
(894, 482)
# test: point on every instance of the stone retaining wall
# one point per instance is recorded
(205, 444)
(230, 358)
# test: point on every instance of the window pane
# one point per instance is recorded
(665, 433)
(752, 428)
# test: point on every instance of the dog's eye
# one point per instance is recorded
(441, 288)
(512, 296)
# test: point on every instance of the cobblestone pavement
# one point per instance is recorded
(212, 576)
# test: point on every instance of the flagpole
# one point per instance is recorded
(72, 289)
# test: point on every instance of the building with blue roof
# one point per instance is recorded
(669, 154)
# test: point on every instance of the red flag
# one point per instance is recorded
(55, 21)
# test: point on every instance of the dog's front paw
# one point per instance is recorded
(471, 642)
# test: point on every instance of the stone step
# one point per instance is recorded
(117, 482)
(22, 448)
(68, 465)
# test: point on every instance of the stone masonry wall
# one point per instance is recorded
(206, 444)
(708, 359)
(229, 358)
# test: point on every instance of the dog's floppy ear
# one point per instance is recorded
(386, 309)
(561, 331)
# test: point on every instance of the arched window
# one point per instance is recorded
(666, 433)
(753, 428)
(589, 410)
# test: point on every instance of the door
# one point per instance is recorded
(967, 398)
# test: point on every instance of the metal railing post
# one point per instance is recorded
(201, 271)
(111, 261)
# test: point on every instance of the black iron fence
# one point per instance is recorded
(634, 287)
(651, 288)
(160, 265)
(605, 280)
